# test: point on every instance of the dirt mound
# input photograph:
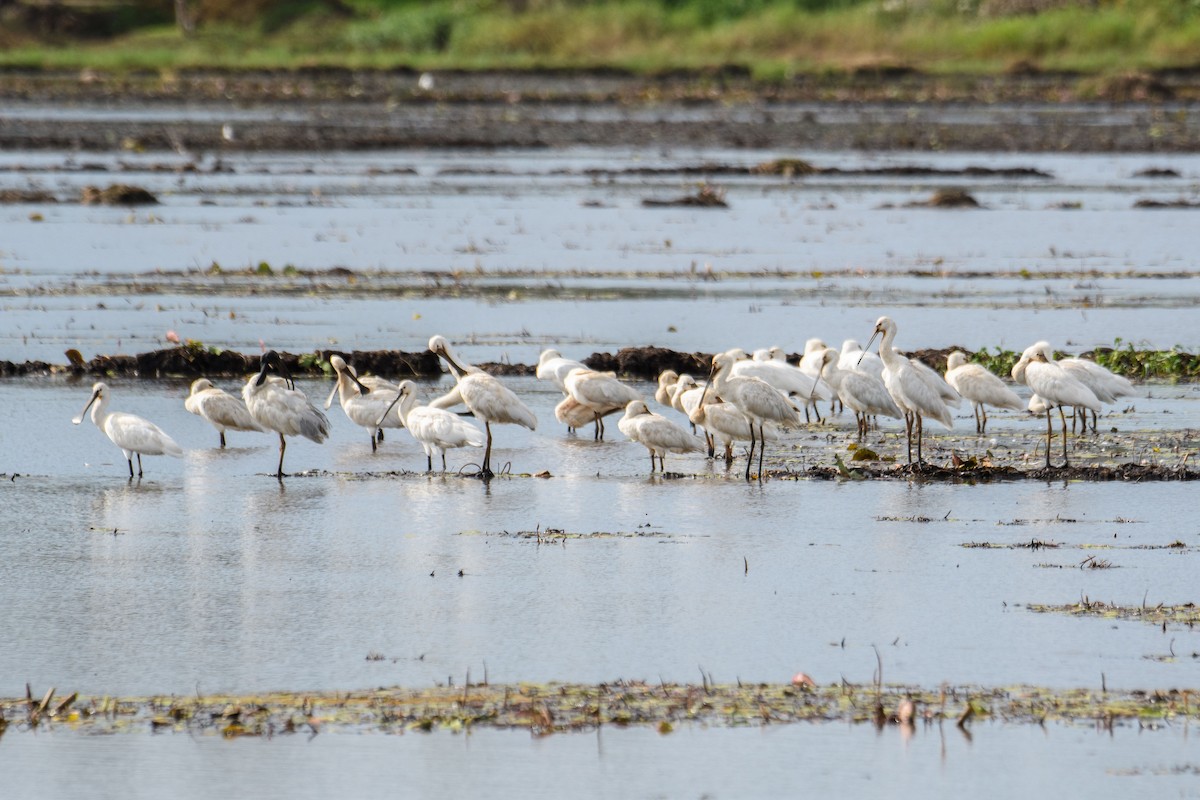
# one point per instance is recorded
(117, 194)
(649, 362)
(389, 363)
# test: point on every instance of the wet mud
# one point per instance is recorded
(972, 473)
(871, 109)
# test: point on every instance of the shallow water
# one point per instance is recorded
(292, 585)
(692, 762)
(512, 235)
(208, 575)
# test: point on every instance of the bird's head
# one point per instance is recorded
(99, 392)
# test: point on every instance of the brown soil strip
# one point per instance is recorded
(339, 109)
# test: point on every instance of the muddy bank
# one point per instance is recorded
(973, 473)
(198, 361)
(314, 110)
(563, 708)
(640, 363)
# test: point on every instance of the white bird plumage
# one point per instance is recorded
(758, 400)
(365, 410)
(221, 409)
(554, 368)
(1107, 386)
(485, 396)
(726, 424)
(854, 357)
(131, 433)
(980, 387)
(783, 376)
(435, 429)
(601, 392)
(865, 394)
(656, 433)
(278, 406)
(1054, 387)
(909, 387)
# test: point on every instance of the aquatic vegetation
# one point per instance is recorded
(544, 709)
(1161, 614)
(1125, 359)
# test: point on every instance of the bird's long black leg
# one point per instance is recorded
(282, 448)
(487, 453)
(750, 457)
(762, 446)
(139, 455)
(131, 466)
(1066, 462)
(222, 440)
(908, 426)
(1049, 435)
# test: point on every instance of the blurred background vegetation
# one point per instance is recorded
(774, 39)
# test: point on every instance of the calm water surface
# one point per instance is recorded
(208, 575)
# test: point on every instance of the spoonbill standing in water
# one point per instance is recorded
(367, 409)
(221, 409)
(277, 405)
(656, 433)
(435, 429)
(758, 400)
(980, 387)
(601, 392)
(129, 432)
(913, 393)
(1055, 387)
(485, 397)
(865, 394)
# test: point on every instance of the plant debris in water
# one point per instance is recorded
(559, 535)
(707, 196)
(1161, 614)
(543, 709)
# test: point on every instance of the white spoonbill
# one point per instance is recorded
(908, 387)
(656, 433)
(601, 392)
(810, 362)
(726, 425)
(129, 432)
(783, 376)
(757, 399)
(1055, 387)
(572, 413)
(685, 398)
(553, 367)
(485, 396)
(435, 429)
(1106, 385)
(453, 397)
(365, 400)
(866, 395)
(221, 409)
(666, 387)
(933, 378)
(854, 357)
(976, 383)
(278, 406)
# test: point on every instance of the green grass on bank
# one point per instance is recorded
(774, 38)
